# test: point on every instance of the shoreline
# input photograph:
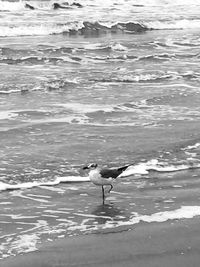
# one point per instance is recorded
(171, 243)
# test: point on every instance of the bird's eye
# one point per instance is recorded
(93, 165)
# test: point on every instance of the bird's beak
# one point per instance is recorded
(85, 168)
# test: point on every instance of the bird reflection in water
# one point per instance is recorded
(108, 212)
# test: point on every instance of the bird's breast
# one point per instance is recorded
(96, 178)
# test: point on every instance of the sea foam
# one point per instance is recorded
(5, 115)
(184, 212)
(155, 165)
(171, 25)
(58, 180)
(133, 170)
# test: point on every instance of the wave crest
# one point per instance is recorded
(136, 78)
(75, 27)
(174, 25)
(94, 28)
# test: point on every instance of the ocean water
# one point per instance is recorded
(114, 82)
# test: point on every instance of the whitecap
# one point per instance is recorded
(85, 108)
(191, 147)
(177, 24)
(38, 29)
(118, 47)
(11, 6)
(5, 115)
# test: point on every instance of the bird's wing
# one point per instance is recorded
(121, 169)
(112, 173)
(109, 173)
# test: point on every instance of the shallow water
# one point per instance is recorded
(117, 84)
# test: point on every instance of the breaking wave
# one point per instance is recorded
(30, 60)
(21, 5)
(76, 27)
(174, 25)
(136, 78)
(39, 60)
(49, 85)
(11, 6)
(88, 28)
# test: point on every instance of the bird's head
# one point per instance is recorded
(91, 166)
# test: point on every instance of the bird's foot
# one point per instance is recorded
(111, 187)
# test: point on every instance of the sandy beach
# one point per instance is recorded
(165, 244)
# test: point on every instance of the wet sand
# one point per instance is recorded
(172, 243)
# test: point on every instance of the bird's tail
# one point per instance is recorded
(121, 169)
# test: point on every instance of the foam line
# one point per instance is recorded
(155, 165)
(58, 180)
(184, 212)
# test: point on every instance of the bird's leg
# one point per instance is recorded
(103, 195)
(111, 187)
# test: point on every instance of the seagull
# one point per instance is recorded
(104, 176)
